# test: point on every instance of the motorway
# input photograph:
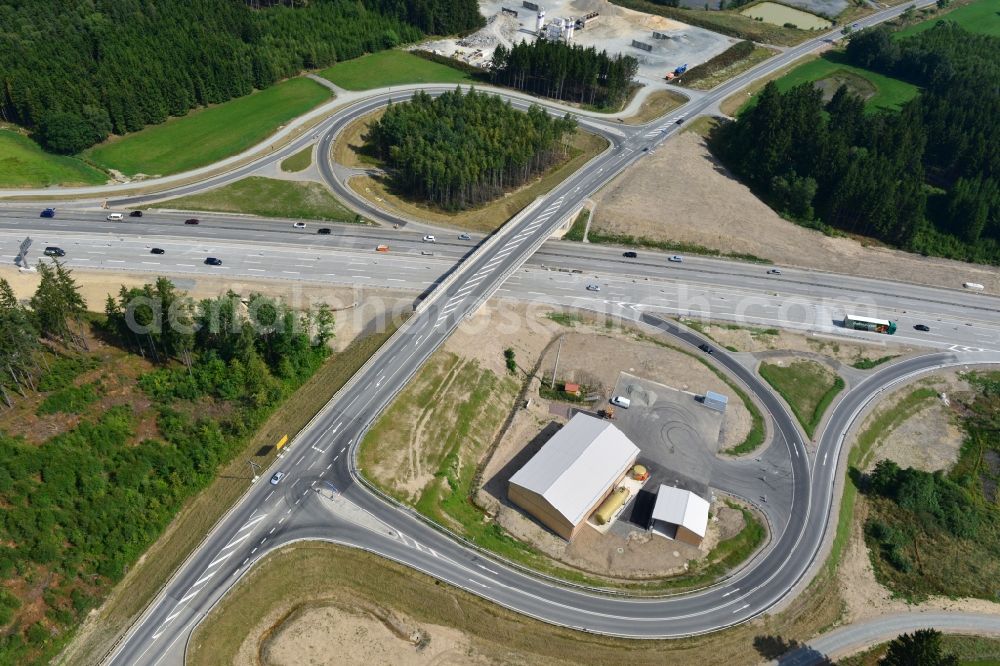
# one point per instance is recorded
(324, 498)
(699, 287)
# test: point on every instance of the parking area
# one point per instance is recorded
(678, 436)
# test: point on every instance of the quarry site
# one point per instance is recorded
(659, 44)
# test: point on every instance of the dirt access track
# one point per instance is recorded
(681, 193)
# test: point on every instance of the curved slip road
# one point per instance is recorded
(320, 462)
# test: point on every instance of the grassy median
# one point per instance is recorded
(807, 386)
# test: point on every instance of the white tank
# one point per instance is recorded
(541, 21)
(570, 26)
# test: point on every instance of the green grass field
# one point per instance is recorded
(209, 134)
(300, 161)
(889, 93)
(270, 198)
(806, 386)
(390, 68)
(982, 17)
(24, 164)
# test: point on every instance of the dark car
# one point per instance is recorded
(680, 120)
(156, 250)
(48, 212)
(213, 261)
(135, 213)
(191, 220)
(629, 255)
(922, 327)
(705, 348)
(323, 231)
(53, 251)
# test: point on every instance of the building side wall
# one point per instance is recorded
(687, 536)
(541, 510)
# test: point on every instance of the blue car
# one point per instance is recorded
(49, 212)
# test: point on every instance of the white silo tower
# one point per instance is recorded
(541, 21)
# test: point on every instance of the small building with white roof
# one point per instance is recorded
(680, 514)
(573, 473)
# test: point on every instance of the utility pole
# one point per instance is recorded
(555, 368)
(255, 468)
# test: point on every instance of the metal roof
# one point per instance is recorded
(578, 465)
(716, 397)
(681, 507)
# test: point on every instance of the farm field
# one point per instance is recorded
(879, 92)
(209, 134)
(391, 68)
(982, 17)
(24, 164)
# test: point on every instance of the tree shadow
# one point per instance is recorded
(789, 652)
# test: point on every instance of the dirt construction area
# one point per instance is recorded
(614, 29)
(681, 193)
(596, 358)
(331, 634)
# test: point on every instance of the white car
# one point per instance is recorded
(774, 271)
(593, 287)
(299, 225)
(429, 239)
(676, 259)
(278, 476)
(621, 401)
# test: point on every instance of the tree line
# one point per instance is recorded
(82, 506)
(463, 149)
(923, 178)
(565, 71)
(75, 71)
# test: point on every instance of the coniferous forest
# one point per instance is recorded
(565, 71)
(924, 178)
(77, 70)
(460, 150)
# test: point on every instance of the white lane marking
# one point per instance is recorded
(732, 591)
(251, 522)
(219, 559)
(744, 606)
(204, 578)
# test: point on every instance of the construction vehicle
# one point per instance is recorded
(677, 72)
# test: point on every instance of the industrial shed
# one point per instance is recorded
(680, 514)
(572, 474)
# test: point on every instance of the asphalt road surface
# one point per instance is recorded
(323, 497)
(557, 273)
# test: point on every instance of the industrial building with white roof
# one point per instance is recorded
(680, 514)
(572, 474)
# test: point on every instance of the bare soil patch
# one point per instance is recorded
(681, 193)
(334, 634)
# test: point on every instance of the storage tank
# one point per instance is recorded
(640, 473)
(541, 21)
(608, 507)
(569, 25)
